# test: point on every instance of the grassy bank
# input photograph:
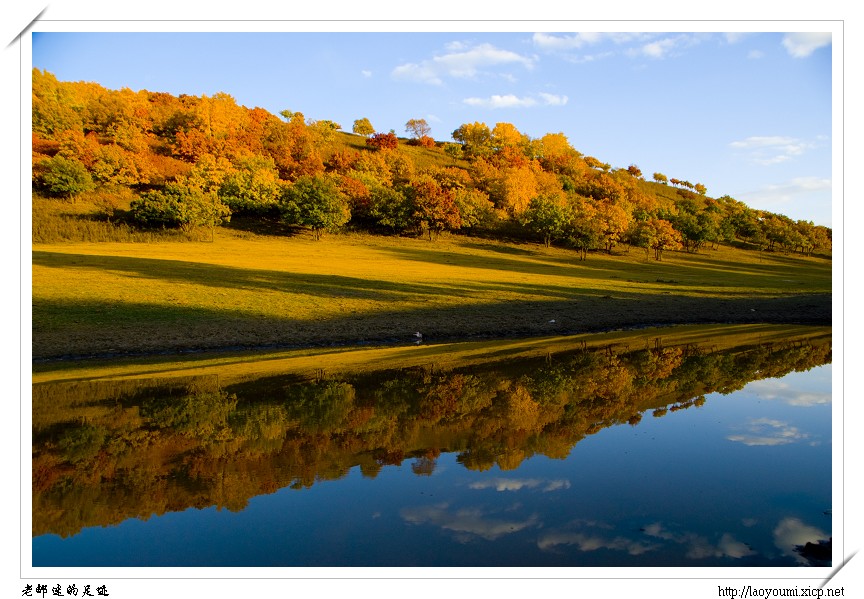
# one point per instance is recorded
(231, 367)
(242, 290)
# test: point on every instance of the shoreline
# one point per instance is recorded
(595, 314)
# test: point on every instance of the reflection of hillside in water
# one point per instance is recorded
(107, 451)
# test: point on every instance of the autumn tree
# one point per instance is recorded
(53, 106)
(557, 155)
(658, 235)
(325, 130)
(383, 141)
(778, 230)
(292, 147)
(73, 143)
(434, 207)
(596, 164)
(661, 178)
(476, 139)
(315, 202)
(613, 222)
(363, 127)
(342, 161)
(513, 189)
(116, 166)
(418, 128)
(819, 237)
(505, 135)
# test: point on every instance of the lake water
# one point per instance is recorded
(665, 455)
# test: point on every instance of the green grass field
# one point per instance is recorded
(244, 290)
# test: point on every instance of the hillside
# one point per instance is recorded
(149, 163)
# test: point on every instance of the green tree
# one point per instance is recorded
(64, 177)
(316, 202)
(363, 127)
(390, 208)
(475, 208)
(584, 230)
(182, 204)
(548, 217)
(114, 165)
(253, 187)
(454, 151)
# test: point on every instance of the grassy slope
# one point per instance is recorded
(250, 291)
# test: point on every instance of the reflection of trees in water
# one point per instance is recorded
(106, 452)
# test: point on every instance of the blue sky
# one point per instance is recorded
(746, 114)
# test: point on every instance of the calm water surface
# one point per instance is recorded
(662, 456)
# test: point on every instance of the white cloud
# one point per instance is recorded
(366, 73)
(762, 141)
(551, 42)
(776, 390)
(553, 99)
(461, 62)
(771, 196)
(659, 49)
(791, 533)
(635, 45)
(467, 524)
(555, 485)
(586, 542)
(772, 149)
(802, 45)
(513, 101)
(807, 195)
(496, 101)
(733, 37)
(667, 46)
(421, 73)
(586, 58)
(768, 432)
(698, 547)
(755, 54)
(516, 484)
(505, 484)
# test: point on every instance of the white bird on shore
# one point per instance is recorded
(418, 335)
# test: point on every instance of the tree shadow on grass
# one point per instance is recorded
(86, 328)
(701, 270)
